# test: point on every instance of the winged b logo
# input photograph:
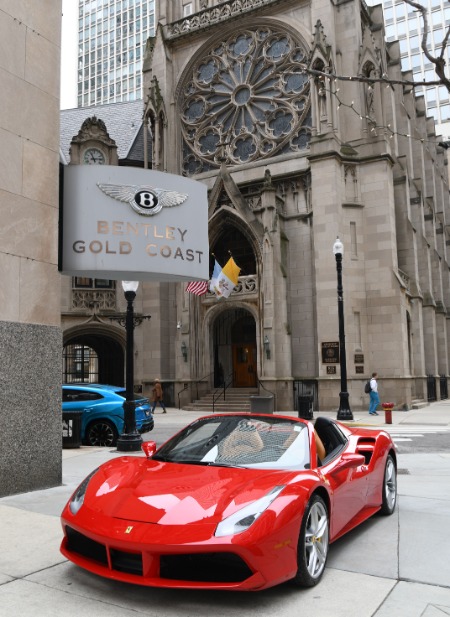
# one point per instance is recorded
(145, 200)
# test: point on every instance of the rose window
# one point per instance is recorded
(246, 99)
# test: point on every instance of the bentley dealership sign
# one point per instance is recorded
(123, 222)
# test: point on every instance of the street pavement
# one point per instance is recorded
(395, 566)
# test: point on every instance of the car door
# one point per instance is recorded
(347, 476)
(77, 399)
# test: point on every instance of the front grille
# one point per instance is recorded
(195, 567)
(131, 563)
(78, 543)
(205, 567)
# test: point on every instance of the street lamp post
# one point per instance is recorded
(130, 440)
(344, 412)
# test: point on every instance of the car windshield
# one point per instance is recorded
(237, 441)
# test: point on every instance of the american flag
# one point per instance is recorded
(199, 288)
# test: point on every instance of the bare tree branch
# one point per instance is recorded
(439, 63)
(384, 79)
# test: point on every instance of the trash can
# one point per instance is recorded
(261, 404)
(71, 429)
(305, 407)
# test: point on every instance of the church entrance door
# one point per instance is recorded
(244, 365)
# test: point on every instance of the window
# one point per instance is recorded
(414, 43)
(436, 18)
(447, 15)
(390, 33)
(406, 64)
(400, 10)
(81, 282)
(445, 113)
(415, 60)
(412, 24)
(401, 28)
(187, 9)
(403, 46)
(431, 95)
(80, 364)
(353, 240)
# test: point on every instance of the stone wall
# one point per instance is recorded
(30, 340)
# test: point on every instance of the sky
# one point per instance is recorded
(69, 46)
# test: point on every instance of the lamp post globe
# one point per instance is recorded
(130, 440)
(344, 411)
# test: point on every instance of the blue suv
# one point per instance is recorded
(102, 420)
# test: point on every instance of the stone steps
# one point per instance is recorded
(236, 399)
(419, 404)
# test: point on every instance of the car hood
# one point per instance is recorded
(176, 494)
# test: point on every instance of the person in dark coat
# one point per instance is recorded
(157, 396)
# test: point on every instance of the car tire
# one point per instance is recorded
(312, 550)
(389, 493)
(101, 433)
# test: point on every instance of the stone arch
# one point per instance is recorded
(238, 361)
(369, 70)
(108, 342)
(227, 220)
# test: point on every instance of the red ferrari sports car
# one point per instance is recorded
(232, 501)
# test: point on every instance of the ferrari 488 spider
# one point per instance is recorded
(233, 501)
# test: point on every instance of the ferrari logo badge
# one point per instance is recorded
(129, 529)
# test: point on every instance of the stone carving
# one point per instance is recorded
(208, 16)
(351, 184)
(248, 98)
(93, 128)
(102, 300)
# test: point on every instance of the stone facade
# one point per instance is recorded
(30, 397)
(293, 159)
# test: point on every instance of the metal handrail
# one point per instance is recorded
(218, 393)
(203, 378)
(186, 387)
(267, 390)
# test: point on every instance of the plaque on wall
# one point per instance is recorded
(359, 369)
(331, 370)
(359, 358)
(330, 353)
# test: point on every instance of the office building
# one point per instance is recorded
(404, 22)
(112, 36)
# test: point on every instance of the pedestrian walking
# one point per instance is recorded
(158, 396)
(374, 396)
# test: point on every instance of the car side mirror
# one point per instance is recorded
(149, 448)
(348, 461)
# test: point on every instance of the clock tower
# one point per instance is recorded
(93, 145)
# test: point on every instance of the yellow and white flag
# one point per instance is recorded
(227, 279)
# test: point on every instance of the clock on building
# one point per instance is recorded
(93, 156)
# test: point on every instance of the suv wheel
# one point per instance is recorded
(101, 433)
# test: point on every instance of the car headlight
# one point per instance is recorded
(77, 499)
(245, 517)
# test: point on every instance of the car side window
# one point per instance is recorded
(75, 396)
(331, 436)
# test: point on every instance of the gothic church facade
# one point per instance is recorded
(240, 95)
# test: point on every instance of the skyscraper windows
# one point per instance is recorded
(113, 31)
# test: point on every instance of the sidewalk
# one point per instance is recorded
(390, 567)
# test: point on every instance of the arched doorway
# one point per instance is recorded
(93, 357)
(232, 241)
(235, 359)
